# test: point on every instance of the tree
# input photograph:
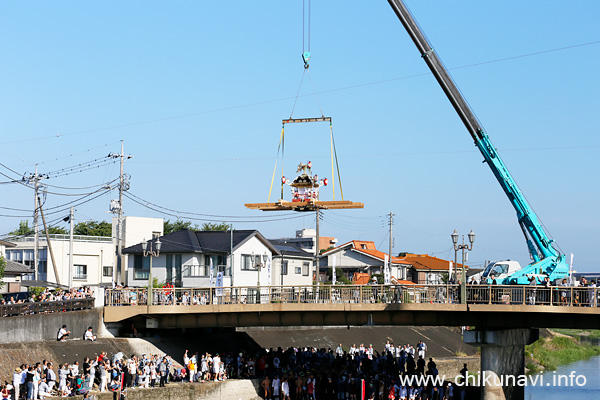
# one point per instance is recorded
(56, 230)
(209, 226)
(93, 228)
(170, 227)
(2, 265)
(23, 229)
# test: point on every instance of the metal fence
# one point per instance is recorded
(447, 294)
(46, 307)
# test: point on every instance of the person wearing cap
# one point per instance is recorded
(16, 383)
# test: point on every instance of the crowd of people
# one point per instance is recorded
(326, 374)
(290, 374)
(102, 373)
(51, 295)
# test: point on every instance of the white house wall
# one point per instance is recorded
(250, 278)
(292, 278)
(94, 254)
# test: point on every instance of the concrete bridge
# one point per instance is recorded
(486, 307)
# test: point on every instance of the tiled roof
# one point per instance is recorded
(13, 267)
(188, 241)
(381, 255)
(289, 249)
(427, 262)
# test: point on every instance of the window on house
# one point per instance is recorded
(305, 267)
(298, 270)
(107, 271)
(247, 264)
(363, 246)
(155, 235)
(79, 271)
(193, 270)
(284, 268)
(141, 267)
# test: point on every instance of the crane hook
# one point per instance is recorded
(305, 58)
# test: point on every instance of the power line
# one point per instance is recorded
(178, 215)
(203, 215)
(229, 108)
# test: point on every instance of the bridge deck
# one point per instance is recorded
(438, 305)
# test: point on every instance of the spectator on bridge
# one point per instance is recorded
(88, 335)
(62, 334)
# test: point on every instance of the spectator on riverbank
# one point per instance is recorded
(88, 335)
(63, 334)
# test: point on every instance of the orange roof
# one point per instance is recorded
(380, 255)
(427, 262)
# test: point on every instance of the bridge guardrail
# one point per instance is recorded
(46, 307)
(476, 294)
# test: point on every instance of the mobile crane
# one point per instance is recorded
(547, 261)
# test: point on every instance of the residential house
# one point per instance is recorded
(306, 239)
(293, 266)
(13, 271)
(186, 256)
(135, 230)
(361, 256)
(94, 257)
(426, 269)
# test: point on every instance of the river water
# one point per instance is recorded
(569, 376)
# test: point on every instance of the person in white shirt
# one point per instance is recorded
(17, 382)
(216, 366)
(88, 335)
(44, 389)
(50, 377)
(339, 351)
(63, 334)
(276, 386)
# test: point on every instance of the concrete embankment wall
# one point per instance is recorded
(33, 328)
(226, 390)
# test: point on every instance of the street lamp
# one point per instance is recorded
(464, 247)
(147, 250)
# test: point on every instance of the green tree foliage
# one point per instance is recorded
(23, 229)
(170, 227)
(209, 226)
(2, 265)
(93, 228)
(340, 277)
(56, 230)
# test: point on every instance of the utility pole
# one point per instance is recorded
(390, 249)
(35, 225)
(49, 245)
(71, 217)
(317, 266)
(119, 231)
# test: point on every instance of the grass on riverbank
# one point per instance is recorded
(551, 352)
(582, 334)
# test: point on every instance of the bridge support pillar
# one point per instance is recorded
(503, 355)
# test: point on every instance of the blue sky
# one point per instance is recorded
(198, 89)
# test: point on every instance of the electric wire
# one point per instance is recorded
(178, 215)
(287, 98)
(201, 214)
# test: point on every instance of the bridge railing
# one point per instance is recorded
(45, 307)
(476, 294)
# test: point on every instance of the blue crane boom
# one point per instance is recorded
(547, 260)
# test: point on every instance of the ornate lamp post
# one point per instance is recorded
(464, 247)
(147, 249)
